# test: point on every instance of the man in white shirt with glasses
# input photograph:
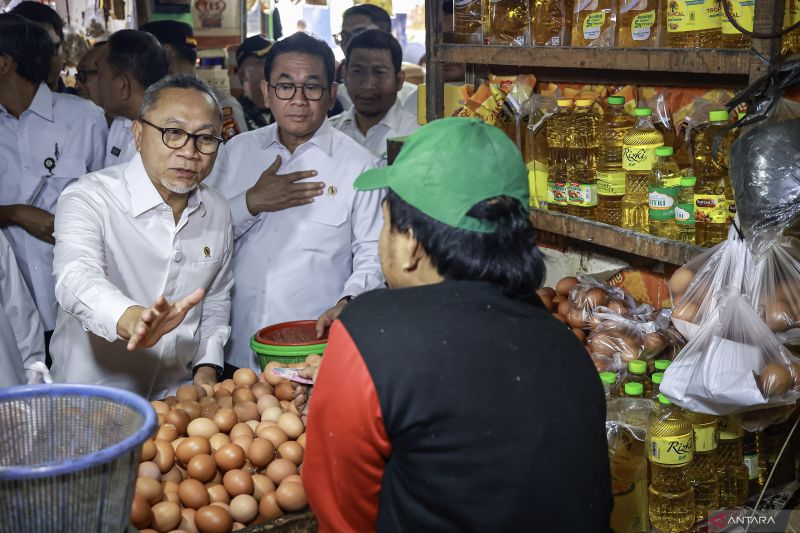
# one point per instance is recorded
(143, 255)
(306, 241)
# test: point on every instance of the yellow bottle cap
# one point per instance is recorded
(564, 102)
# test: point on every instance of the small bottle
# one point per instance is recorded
(791, 15)
(638, 155)
(711, 188)
(637, 373)
(609, 380)
(634, 390)
(693, 23)
(684, 211)
(661, 365)
(557, 133)
(610, 174)
(732, 472)
(662, 193)
(582, 162)
(750, 448)
(743, 12)
(655, 388)
(704, 467)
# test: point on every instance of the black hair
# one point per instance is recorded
(507, 257)
(302, 43)
(378, 40)
(139, 54)
(28, 44)
(186, 53)
(378, 16)
(41, 13)
(176, 81)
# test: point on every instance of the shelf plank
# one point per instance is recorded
(614, 238)
(713, 62)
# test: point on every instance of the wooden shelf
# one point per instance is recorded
(614, 238)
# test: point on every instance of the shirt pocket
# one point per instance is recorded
(202, 273)
(324, 230)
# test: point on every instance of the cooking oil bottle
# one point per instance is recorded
(731, 469)
(582, 160)
(508, 22)
(703, 471)
(536, 161)
(638, 155)
(670, 450)
(743, 12)
(711, 189)
(684, 211)
(791, 41)
(593, 23)
(637, 24)
(693, 23)
(655, 387)
(634, 390)
(610, 174)
(637, 373)
(558, 130)
(467, 21)
(750, 448)
(551, 22)
(609, 380)
(662, 193)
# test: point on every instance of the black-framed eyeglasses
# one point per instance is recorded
(83, 74)
(286, 91)
(176, 138)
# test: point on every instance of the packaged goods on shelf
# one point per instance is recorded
(594, 23)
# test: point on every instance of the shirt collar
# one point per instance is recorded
(392, 117)
(144, 195)
(322, 138)
(42, 103)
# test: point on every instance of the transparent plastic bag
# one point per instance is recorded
(662, 118)
(589, 294)
(617, 340)
(774, 289)
(551, 22)
(594, 23)
(733, 364)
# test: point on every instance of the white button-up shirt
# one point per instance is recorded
(67, 134)
(396, 123)
(407, 96)
(117, 245)
(120, 147)
(297, 263)
(21, 337)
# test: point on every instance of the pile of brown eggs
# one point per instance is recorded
(223, 457)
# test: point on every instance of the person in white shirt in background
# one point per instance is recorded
(130, 63)
(52, 22)
(47, 140)
(373, 76)
(305, 239)
(178, 40)
(21, 333)
(143, 255)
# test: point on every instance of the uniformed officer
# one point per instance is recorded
(47, 140)
(250, 69)
(181, 46)
(130, 63)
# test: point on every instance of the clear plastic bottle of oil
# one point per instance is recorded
(712, 187)
(693, 23)
(684, 211)
(750, 448)
(467, 21)
(634, 390)
(662, 192)
(551, 22)
(637, 373)
(507, 22)
(638, 155)
(743, 12)
(791, 41)
(610, 174)
(593, 23)
(670, 450)
(609, 380)
(583, 150)
(557, 132)
(731, 470)
(638, 24)
(704, 467)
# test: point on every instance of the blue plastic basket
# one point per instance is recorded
(69, 457)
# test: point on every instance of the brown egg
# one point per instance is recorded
(165, 456)
(794, 371)
(209, 389)
(686, 311)
(179, 419)
(618, 307)
(563, 308)
(268, 400)
(579, 334)
(229, 457)
(208, 411)
(191, 408)
(238, 482)
(190, 447)
(268, 507)
(245, 377)
(246, 410)
(276, 435)
(221, 393)
(149, 469)
(177, 442)
(207, 401)
(148, 450)
(187, 521)
(202, 427)
(253, 425)
(226, 402)
(217, 493)
(272, 413)
(213, 519)
(291, 496)
(262, 485)
(260, 389)
(779, 316)
(271, 378)
(243, 394)
(285, 391)
(218, 440)
(654, 343)
(544, 291)
(160, 407)
(774, 380)
(292, 451)
(261, 452)
(175, 474)
(187, 392)
(228, 384)
(244, 508)
(291, 424)
(294, 477)
(225, 418)
(680, 281)
(166, 516)
(172, 497)
(279, 469)
(193, 494)
(590, 298)
(565, 285)
(169, 486)
(202, 468)
(301, 440)
(575, 319)
(141, 516)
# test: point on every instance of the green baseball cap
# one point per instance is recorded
(448, 166)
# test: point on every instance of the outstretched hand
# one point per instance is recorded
(160, 318)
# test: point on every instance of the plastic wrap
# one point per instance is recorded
(765, 173)
(589, 294)
(594, 24)
(551, 22)
(774, 289)
(733, 364)
(662, 118)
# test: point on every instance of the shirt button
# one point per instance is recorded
(177, 256)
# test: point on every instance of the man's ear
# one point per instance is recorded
(411, 250)
(265, 90)
(136, 129)
(401, 78)
(125, 88)
(7, 65)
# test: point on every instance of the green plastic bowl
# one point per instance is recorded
(287, 342)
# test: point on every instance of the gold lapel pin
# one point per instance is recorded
(332, 190)
(206, 251)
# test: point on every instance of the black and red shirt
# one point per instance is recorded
(452, 407)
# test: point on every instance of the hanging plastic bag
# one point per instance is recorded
(733, 364)
(775, 289)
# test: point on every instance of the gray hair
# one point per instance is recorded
(177, 81)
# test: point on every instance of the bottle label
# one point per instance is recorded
(593, 24)
(671, 450)
(693, 15)
(684, 214)
(611, 183)
(751, 462)
(706, 439)
(743, 12)
(662, 202)
(582, 194)
(558, 193)
(710, 209)
(540, 178)
(639, 157)
(642, 25)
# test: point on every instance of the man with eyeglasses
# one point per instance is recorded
(143, 255)
(86, 76)
(306, 242)
(46, 16)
